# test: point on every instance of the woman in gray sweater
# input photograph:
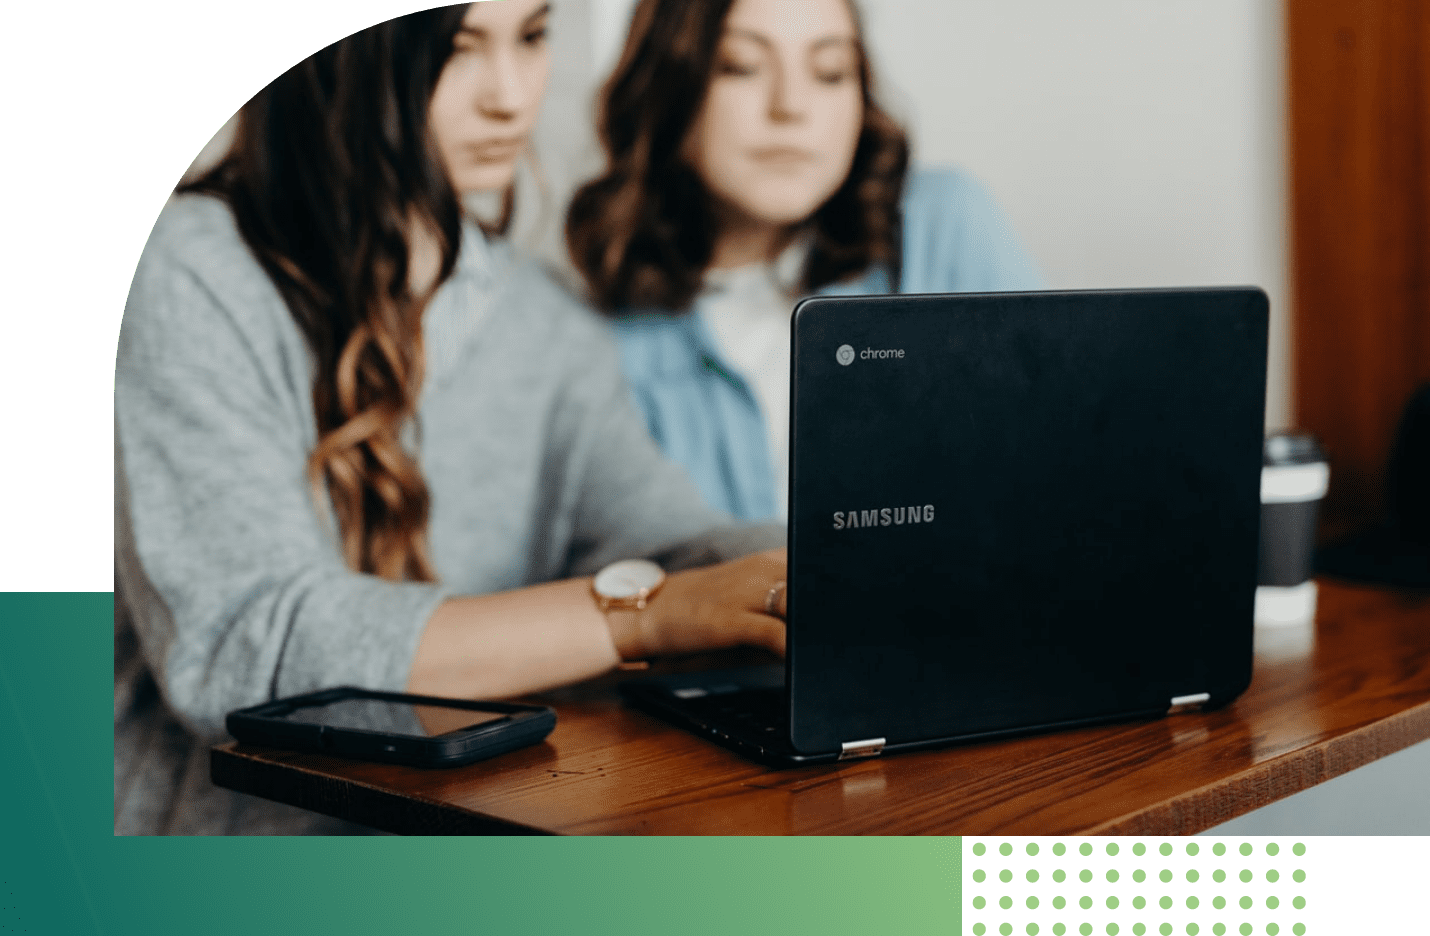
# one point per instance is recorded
(359, 443)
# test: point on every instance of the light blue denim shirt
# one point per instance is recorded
(701, 411)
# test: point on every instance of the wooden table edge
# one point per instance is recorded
(1184, 814)
(348, 799)
(1273, 780)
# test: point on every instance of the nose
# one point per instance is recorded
(789, 95)
(503, 94)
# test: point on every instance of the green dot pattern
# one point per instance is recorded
(1089, 886)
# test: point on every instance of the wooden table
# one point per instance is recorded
(1322, 702)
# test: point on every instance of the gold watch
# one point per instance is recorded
(627, 585)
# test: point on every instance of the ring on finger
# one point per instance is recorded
(772, 599)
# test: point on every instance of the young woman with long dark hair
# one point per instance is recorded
(750, 163)
(353, 434)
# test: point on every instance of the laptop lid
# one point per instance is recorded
(1018, 510)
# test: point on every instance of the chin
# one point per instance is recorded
(780, 209)
(784, 200)
(484, 178)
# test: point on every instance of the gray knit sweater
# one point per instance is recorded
(230, 589)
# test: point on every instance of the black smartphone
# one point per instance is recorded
(423, 731)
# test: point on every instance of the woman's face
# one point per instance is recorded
(488, 95)
(776, 134)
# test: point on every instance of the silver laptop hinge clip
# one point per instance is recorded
(1186, 703)
(871, 747)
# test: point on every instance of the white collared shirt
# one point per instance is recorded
(747, 310)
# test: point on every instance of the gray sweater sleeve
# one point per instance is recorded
(229, 568)
(234, 581)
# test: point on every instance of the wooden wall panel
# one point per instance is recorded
(1359, 112)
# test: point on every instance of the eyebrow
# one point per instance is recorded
(525, 24)
(764, 40)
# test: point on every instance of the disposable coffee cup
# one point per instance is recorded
(1294, 477)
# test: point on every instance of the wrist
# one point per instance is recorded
(623, 592)
(627, 628)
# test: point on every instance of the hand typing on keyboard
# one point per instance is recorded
(712, 608)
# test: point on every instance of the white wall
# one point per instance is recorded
(1133, 143)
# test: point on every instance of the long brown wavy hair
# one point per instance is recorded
(643, 233)
(330, 172)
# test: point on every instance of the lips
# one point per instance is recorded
(496, 151)
(782, 156)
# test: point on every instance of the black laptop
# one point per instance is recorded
(1009, 512)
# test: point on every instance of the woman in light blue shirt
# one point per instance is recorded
(750, 164)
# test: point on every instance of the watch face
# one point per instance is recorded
(627, 578)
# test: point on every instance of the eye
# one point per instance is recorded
(536, 36)
(464, 44)
(736, 68)
(834, 64)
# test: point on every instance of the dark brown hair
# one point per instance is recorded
(643, 233)
(331, 170)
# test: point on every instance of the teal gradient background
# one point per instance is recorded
(62, 870)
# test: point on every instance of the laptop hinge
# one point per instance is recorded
(870, 747)
(1187, 703)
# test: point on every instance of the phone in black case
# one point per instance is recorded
(423, 731)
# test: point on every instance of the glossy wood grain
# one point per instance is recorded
(1323, 701)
